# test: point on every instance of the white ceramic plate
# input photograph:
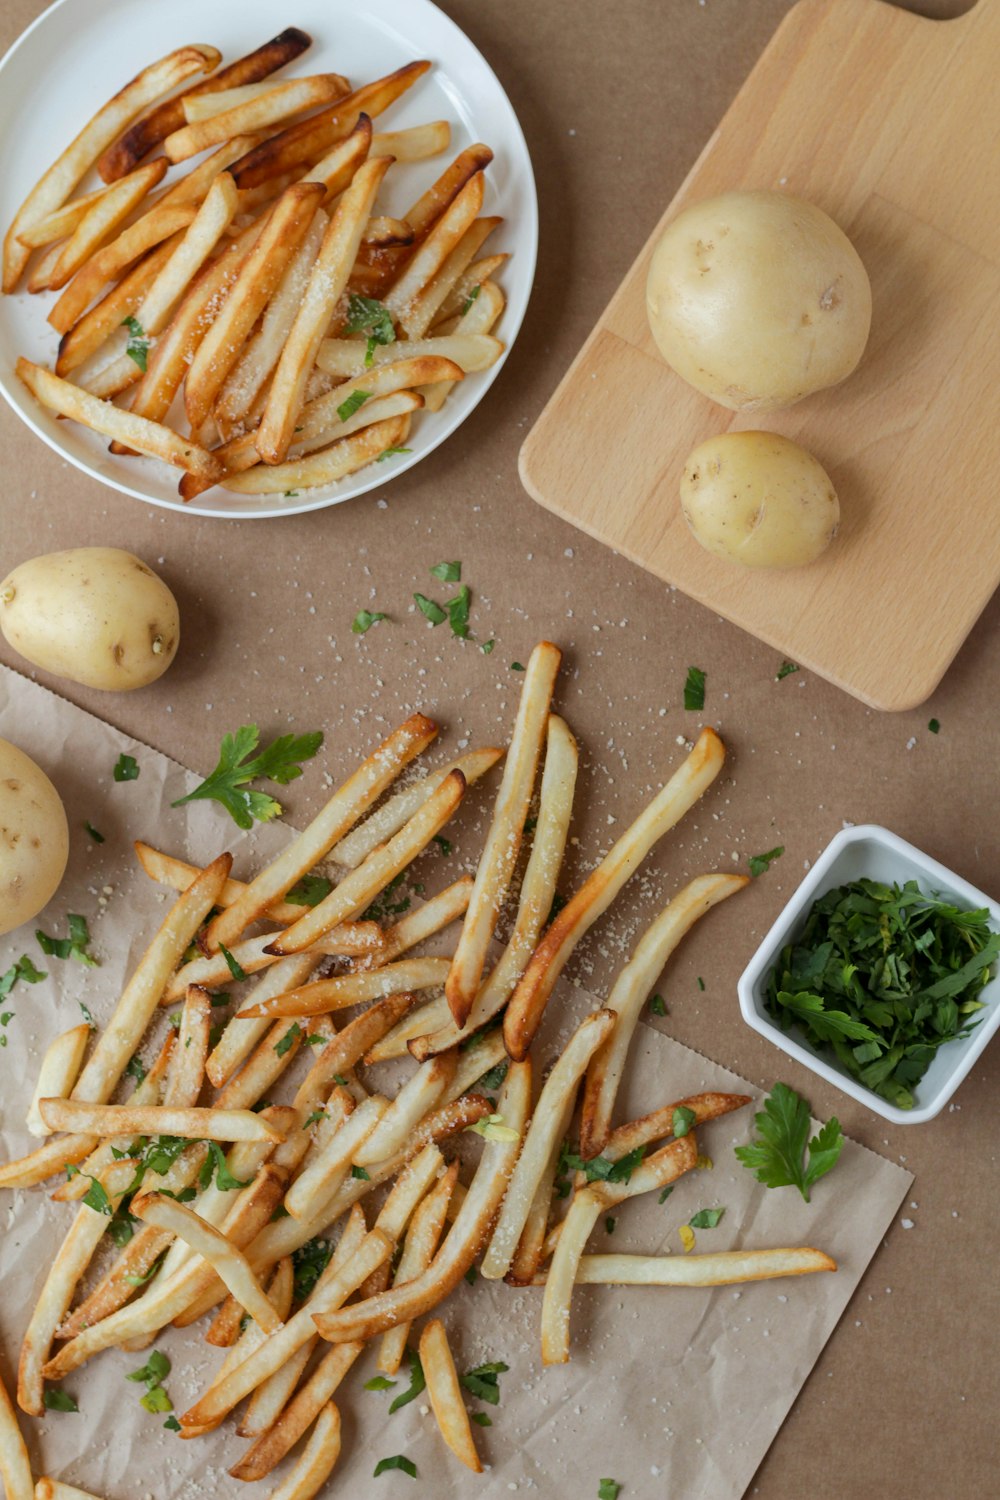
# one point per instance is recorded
(80, 51)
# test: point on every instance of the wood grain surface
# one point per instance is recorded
(890, 122)
(617, 102)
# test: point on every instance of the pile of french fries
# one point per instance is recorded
(259, 322)
(346, 1156)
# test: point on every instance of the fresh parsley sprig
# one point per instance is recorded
(776, 1159)
(238, 766)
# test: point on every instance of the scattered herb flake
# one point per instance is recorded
(471, 1275)
(74, 946)
(665, 1194)
(417, 1382)
(706, 1218)
(126, 768)
(360, 1173)
(397, 1461)
(494, 1077)
(443, 844)
(934, 726)
(137, 347)
(484, 1381)
(135, 1068)
(87, 1015)
(291, 494)
(309, 891)
(379, 1383)
(430, 610)
(683, 1119)
(658, 1005)
(98, 838)
(458, 612)
(448, 572)
(368, 315)
(391, 453)
(761, 862)
(608, 1489)
(470, 299)
(309, 1263)
(172, 1424)
(776, 1159)
(238, 766)
(517, 666)
(54, 1399)
(785, 670)
(609, 1224)
(232, 964)
(487, 647)
(282, 1046)
(215, 1162)
(482, 1417)
(701, 983)
(354, 402)
(365, 619)
(24, 969)
(492, 1128)
(694, 689)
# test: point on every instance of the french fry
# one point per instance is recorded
(350, 1046)
(303, 143)
(240, 1035)
(538, 890)
(49, 1159)
(151, 438)
(471, 352)
(107, 316)
(111, 261)
(348, 939)
(325, 995)
(271, 1447)
(337, 254)
(503, 841)
(439, 197)
(343, 809)
(474, 1061)
(197, 107)
(421, 1241)
(197, 1124)
(424, 307)
(141, 995)
(362, 885)
(72, 1260)
(415, 144)
(55, 186)
(467, 287)
(38, 281)
(314, 1466)
(419, 1094)
(187, 1069)
(110, 210)
(432, 252)
(62, 222)
(630, 992)
(257, 279)
(723, 1268)
(54, 1489)
(587, 1206)
(193, 186)
(273, 1394)
(446, 1395)
(154, 127)
(475, 321)
(260, 355)
(15, 1465)
(548, 1125)
(398, 809)
(279, 1294)
(345, 456)
(329, 1159)
(214, 1248)
(422, 922)
(463, 1241)
(257, 113)
(594, 897)
(58, 1073)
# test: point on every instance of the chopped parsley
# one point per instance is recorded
(98, 838)
(658, 1005)
(126, 768)
(365, 619)
(309, 1262)
(760, 862)
(135, 1068)
(238, 766)
(430, 610)
(309, 891)
(397, 1461)
(360, 1174)
(494, 1077)
(608, 1489)
(665, 1194)
(443, 844)
(470, 299)
(137, 347)
(484, 1381)
(776, 1159)
(701, 983)
(448, 572)
(609, 1224)
(215, 1162)
(74, 946)
(53, 1399)
(598, 1168)
(694, 689)
(152, 1374)
(391, 453)
(934, 726)
(517, 666)
(87, 1015)
(234, 966)
(683, 1119)
(22, 969)
(458, 612)
(352, 403)
(417, 1383)
(706, 1218)
(379, 1383)
(369, 316)
(785, 670)
(282, 1046)
(487, 647)
(482, 1418)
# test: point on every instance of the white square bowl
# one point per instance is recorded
(870, 852)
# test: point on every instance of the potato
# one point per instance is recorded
(759, 499)
(758, 299)
(34, 838)
(95, 615)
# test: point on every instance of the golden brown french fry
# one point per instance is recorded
(503, 841)
(55, 186)
(257, 280)
(38, 281)
(155, 126)
(58, 1073)
(326, 285)
(424, 307)
(660, 1123)
(471, 352)
(121, 1282)
(362, 885)
(432, 252)
(54, 1489)
(279, 1294)
(257, 113)
(468, 286)
(382, 229)
(724, 1268)
(193, 186)
(178, 874)
(260, 355)
(49, 1159)
(350, 1046)
(62, 222)
(414, 144)
(364, 437)
(241, 1036)
(477, 320)
(547, 1128)
(151, 438)
(197, 107)
(463, 1241)
(538, 890)
(421, 1241)
(422, 922)
(110, 210)
(214, 1248)
(314, 1466)
(197, 1124)
(396, 810)
(346, 940)
(630, 992)
(446, 1395)
(594, 897)
(110, 262)
(15, 1465)
(269, 1449)
(187, 1068)
(305, 142)
(341, 812)
(328, 1161)
(71, 1262)
(141, 995)
(439, 197)
(273, 1394)
(417, 1097)
(325, 995)
(108, 315)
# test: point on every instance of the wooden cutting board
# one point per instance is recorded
(891, 123)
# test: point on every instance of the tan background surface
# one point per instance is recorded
(616, 101)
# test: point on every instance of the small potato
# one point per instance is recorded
(95, 615)
(34, 838)
(757, 299)
(759, 499)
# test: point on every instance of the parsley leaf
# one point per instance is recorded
(282, 1046)
(74, 946)
(215, 1162)
(172, 1424)
(934, 726)
(701, 983)
(137, 347)
(309, 891)
(706, 1218)
(785, 670)
(368, 315)
(379, 1383)
(599, 1168)
(483, 1381)
(458, 612)
(443, 844)
(135, 1068)
(517, 666)
(156, 1368)
(352, 403)
(658, 1005)
(238, 766)
(482, 1418)
(92, 832)
(608, 1489)
(487, 647)
(54, 1399)
(365, 619)
(309, 1262)
(360, 1174)
(417, 1382)
(22, 969)
(430, 610)
(398, 1461)
(665, 1194)
(776, 1159)
(470, 299)
(391, 453)
(609, 1224)
(761, 862)
(683, 1119)
(126, 768)
(494, 1077)
(232, 964)
(448, 572)
(694, 689)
